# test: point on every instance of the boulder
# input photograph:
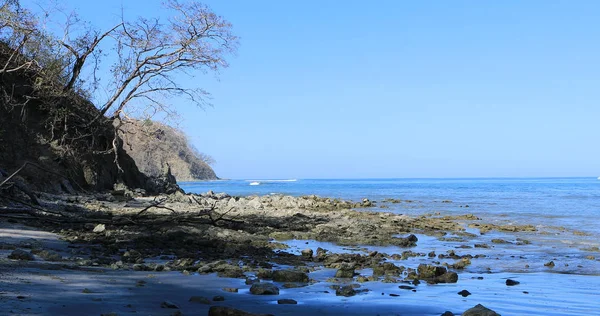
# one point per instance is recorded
(49, 255)
(99, 228)
(229, 311)
(168, 304)
(430, 271)
(231, 272)
(448, 277)
(199, 299)
(386, 268)
(286, 301)
(464, 293)
(21, 255)
(346, 290)
(511, 282)
(264, 289)
(307, 253)
(345, 271)
(480, 310)
(289, 276)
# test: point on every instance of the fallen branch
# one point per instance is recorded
(155, 204)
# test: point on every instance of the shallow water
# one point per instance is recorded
(564, 210)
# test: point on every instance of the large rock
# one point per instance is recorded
(480, 310)
(289, 276)
(386, 268)
(21, 255)
(229, 311)
(430, 271)
(264, 289)
(448, 277)
(345, 271)
(346, 290)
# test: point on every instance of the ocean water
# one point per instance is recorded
(565, 211)
(566, 202)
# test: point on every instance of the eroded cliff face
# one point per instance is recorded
(59, 133)
(155, 147)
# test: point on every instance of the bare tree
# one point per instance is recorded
(82, 47)
(16, 27)
(151, 54)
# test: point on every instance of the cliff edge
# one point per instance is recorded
(155, 147)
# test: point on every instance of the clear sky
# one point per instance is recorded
(354, 89)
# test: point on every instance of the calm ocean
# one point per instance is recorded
(568, 202)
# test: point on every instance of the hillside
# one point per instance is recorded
(58, 141)
(155, 147)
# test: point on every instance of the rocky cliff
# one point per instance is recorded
(155, 147)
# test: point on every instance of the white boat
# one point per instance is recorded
(254, 183)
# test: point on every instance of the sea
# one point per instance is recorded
(564, 211)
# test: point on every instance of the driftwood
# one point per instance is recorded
(35, 211)
(206, 215)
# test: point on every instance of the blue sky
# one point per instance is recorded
(353, 89)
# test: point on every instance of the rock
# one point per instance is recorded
(307, 253)
(250, 281)
(199, 299)
(21, 255)
(99, 228)
(141, 267)
(346, 290)
(231, 272)
(430, 271)
(265, 274)
(168, 304)
(218, 298)
(222, 196)
(448, 313)
(387, 268)
(264, 289)
(448, 277)
(132, 256)
(510, 282)
(286, 301)
(345, 272)
(230, 289)
(289, 276)
(321, 252)
(228, 311)
(460, 264)
(50, 255)
(479, 310)
(549, 264)
(464, 293)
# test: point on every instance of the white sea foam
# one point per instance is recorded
(275, 180)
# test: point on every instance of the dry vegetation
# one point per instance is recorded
(156, 147)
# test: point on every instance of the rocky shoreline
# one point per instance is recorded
(246, 238)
